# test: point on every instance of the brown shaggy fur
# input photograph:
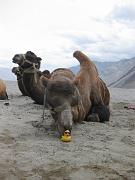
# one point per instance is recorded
(104, 91)
(58, 81)
(61, 97)
(92, 88)
(77, 98)
(3, 93)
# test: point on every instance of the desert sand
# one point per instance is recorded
(98, 151)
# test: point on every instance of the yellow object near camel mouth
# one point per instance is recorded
(66, 136)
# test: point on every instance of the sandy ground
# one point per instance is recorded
(97, 151)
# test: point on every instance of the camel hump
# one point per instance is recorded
(81, 57)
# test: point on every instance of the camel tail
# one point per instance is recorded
(82, 58)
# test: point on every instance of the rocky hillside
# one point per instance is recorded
(127, 80)
(116, 74)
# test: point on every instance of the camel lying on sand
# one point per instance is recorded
(29, 63)
(18, 71)
(76, 98)
(3, 93)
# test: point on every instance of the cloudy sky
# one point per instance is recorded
(54, 29)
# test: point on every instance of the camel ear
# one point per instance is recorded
(44, 80)
(39, 59)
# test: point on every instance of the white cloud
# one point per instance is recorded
(55, 29)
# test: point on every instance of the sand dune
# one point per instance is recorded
(97, 151)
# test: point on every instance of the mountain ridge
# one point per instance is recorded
(119, 74)
(115, 74)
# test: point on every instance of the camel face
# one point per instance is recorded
(30, 56)
(15, 70)
(60, 98)
(18, 59)
(46, 73)
(27, 60)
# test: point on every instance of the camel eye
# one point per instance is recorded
(54, 101)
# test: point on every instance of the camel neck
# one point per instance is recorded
(33, 86)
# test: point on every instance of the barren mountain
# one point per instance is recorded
(116, 74)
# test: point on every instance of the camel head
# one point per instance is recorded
(15, 70)
(61, 96)
(46, 73)
(27, 60)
